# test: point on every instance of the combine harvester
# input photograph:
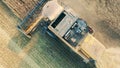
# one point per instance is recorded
(64, 24)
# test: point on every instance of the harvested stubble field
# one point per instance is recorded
(17, 51)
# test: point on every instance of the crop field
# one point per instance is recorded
(43, 51)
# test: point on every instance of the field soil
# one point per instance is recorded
(42, 51)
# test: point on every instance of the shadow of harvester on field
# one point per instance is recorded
(49, 52)
(46, 52)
